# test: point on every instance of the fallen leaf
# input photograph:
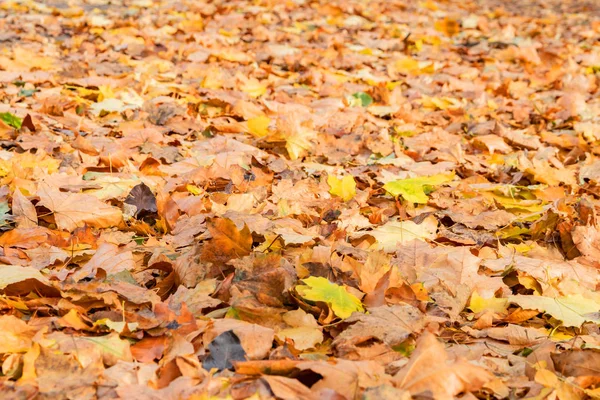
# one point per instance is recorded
(15, 335)
(224, 349)
(286, 388)
(256, 340)
(390, 324)
(227, 241)
(337, 297)
(304, 330)
(573, 310)
(478, 304)
(259, 126)
(393, 233)
(24, 211)
(581, 364)
(73, 210)
(415, 190)
(11, 120)
(144, 201)
(430, 371)
(361, 99)
(109, 258)
(344, 188)
(10, 274)
(299, 138)
(448, 26)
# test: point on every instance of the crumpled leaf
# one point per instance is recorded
(337, 297)
(143, 199)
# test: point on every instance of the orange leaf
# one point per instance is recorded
(227, 241)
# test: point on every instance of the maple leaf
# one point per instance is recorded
(337, 297)
(73, 210)
(392, 325)
(430, 370)
(224, 349)
(227, 241)
(298, 137)
(23, 210)
(344, 188)
(259, 126)
(573, 310)
(392, 233)
(415, 189)
(478, 304)
(304, 330)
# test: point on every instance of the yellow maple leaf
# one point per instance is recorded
(253, 87)
(478, 304)
(298, 137)
(344, 188)
(337, 297)
(259, 126)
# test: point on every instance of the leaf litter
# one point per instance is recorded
(299, 200)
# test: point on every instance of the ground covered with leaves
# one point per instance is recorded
(299, 199)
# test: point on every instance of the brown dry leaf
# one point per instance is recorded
(430, 371)
(255, 339)
(24, 211)
(286, 388)
(345, 378)
(62, 376)
(587, 240)
(584, 365)
(109, 258)
(72, 210)
(391, 324)
(227, 241)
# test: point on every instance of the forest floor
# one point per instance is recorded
(299, 199)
